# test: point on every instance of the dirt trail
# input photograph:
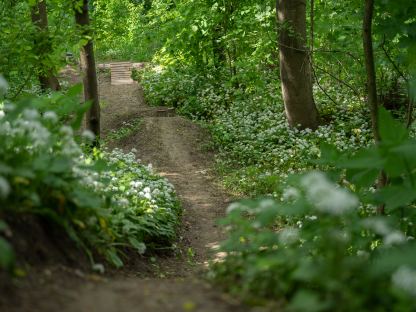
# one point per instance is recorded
(174, 282)
(173, 146)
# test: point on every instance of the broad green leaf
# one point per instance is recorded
(396, 196)
(112, 257)
(6, 254)
(307, 301)
(364, 159)
(75, 90)
(392, 132)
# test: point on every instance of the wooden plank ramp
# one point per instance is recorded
(121, 73)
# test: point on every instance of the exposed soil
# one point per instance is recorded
(173, 282)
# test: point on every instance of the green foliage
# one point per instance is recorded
(25, 51)
(248, 124)
(320, 244)
(105, 201)
(127, 129)
(6, 251)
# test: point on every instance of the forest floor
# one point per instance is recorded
(170, 282)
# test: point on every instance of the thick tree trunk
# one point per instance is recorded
(372, 83)
(295, 70)
(47, 78)
(89, 72)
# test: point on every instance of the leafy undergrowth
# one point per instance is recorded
(315, 242)
(105, 201)
(322, 246)
(256, 147)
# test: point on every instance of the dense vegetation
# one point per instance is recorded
(105, 201)
(310, 109)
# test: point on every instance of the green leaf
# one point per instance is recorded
(76, 124)
(396, 196)
(364, 159)
(60, 165)
(306, 301)
(3, 226)
(112, 257)
(329, 154)
(392, 132)
(6, 254)
(84, 198)
(74, 90)
(363, 177)
(140, 246)
(389, 260)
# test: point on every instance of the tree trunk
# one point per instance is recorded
(43, 46)
(295, 70)
(370, 67)
(218, 48)
(87, 62)
(372, 83)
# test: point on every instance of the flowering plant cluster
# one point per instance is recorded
(315, 243)
(105, 201)
(316, 249)
(323, 247)
(249, 127)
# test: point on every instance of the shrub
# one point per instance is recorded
(321, 246)
(105, 201)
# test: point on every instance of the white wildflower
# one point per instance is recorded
(4, 187)
(394, 238)
(88, 135)
(327, 196)
(291, 193)
(232, 207)
(2, 114)
(288, 236)
(124, 202)
(51, 116)
(66, 130)
(30, 114)
(405, 279)
(378, 225)
(4, 86)
(266, 204)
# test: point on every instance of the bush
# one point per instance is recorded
(322, 247)
(105, 201)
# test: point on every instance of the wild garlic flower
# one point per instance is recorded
(326, 196)
(405, 279)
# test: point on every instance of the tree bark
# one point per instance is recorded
(295, 69)
(43, 46)
(370, 67)
(87, 62)
(372, 83)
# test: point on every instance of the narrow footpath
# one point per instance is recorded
(168, 282)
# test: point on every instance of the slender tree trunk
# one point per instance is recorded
(218, 48)
(372, 83)
(370, 66)
(295, 69)
(43, 46)
(312, 27)
(89, 72)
